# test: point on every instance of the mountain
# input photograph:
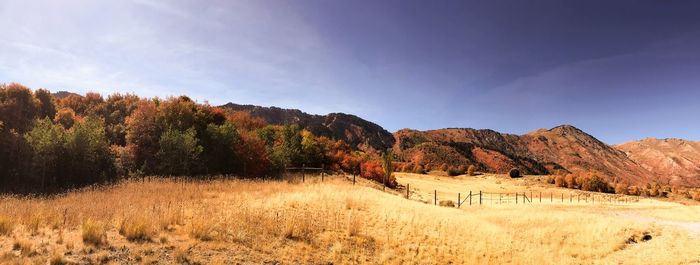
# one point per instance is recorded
(63, 94)
(677, 159)
(539, 152)
(353, 130)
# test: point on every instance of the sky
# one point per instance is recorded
(619, 70)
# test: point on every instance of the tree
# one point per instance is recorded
(143, 133)
(65, 117)
(46, 105)
(18, 108)
(47, 141)
(219, 146)
(311, 151)
(88, 152)
(387, 165)
(179, 152)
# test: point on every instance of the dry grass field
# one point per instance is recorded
(232, 222)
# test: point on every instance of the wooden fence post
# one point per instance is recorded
(516, 198)
(321, 172)
(435, 196)
(562, 197)
(302, 172)
(459, 200)
(540, 197)
(530, 197)
(551, 197)
(470, 197)
(408, 188)
(480, 197)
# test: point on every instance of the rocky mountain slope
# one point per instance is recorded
(539, 152)
(352, 129)
(677, 159)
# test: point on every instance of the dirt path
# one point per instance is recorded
(693, 228)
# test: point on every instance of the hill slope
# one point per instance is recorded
(539, 152)
(676, 158)
(340, 126)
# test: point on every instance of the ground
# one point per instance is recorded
(234, 221)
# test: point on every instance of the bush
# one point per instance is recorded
(697, 196)
(444, 167)
(453, 172)
(374, 171)
(418, 169)
(633, 190)
(621, 188)
(462, 169)
(559, 181)
(447, 203)
(514, 173)
(570, 180)
(470, 170)
(551, 179)
(94, 233)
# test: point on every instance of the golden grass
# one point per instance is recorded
(6, 226)
(94, 232)
(230, 221)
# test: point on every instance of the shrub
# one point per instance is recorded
(514, 173)
(551, 179)
(94, 233)
(418, 169)
(633, 190)
(462, 169)
(453, 172)
(444, 167)
(428, 167)
(697, 196)
(447, 203)
(559, 181)
(621, 188)
(470, 170)
(570, 180)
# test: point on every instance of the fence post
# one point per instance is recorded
(322, 172)
(353, 177)
(408, 188)
(480, 197)
(530, 197)
(571, 198)
(540, 197)
(551, 198)
(435, 196)
(302, 172)
(516, 198)
(562, 197)
(470, 197)
(459, 200)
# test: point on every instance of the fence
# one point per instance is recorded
(483, 198)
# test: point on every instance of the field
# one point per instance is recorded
(235, 221)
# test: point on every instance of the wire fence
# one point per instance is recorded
(480, 197)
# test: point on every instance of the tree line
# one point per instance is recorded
(48, 143)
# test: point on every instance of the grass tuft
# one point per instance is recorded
(94, 233)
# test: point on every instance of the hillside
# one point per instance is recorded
(338, 126)
(676, 158)
(538, 152)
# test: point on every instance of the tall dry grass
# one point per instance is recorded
(237, 221)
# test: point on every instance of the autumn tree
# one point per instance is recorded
(45, 104)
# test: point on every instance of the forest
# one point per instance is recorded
(52, 143)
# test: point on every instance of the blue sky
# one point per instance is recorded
(620, 70)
